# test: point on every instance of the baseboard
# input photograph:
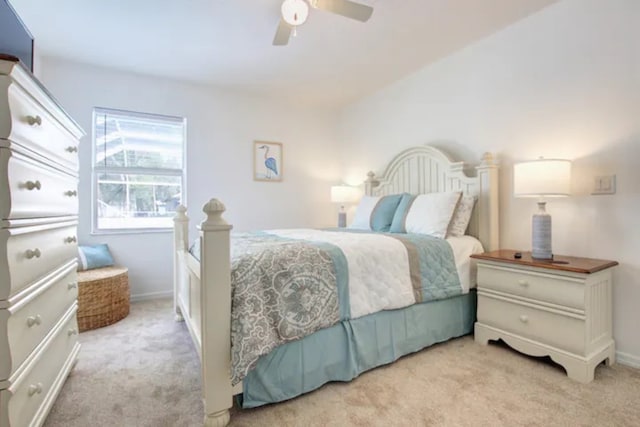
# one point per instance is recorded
(151, 295)
(628, 359)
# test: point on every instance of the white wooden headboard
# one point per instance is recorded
(426, 169)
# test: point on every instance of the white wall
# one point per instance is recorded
(221, 127)
(564, 82)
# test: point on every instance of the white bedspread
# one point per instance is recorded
(378, 278)
(463, 247)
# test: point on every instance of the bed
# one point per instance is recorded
(346, 344)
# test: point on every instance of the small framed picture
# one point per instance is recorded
(267, 161)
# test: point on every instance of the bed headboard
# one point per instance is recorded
(426, 169)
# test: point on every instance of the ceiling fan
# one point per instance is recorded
(295, 12)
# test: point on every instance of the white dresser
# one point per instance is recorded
(38, 247)
(560, 309)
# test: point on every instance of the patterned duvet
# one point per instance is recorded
(287, 284)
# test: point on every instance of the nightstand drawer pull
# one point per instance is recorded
(72, 149)
(70, 239)
(523, 283)
(72, 285)
(72, 331)
(34, 389)
(34, 320)
(34, 120)
(524, 318)
(71, 193)
(35, 253)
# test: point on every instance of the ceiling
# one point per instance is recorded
(332, 61)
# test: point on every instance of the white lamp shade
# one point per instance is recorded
(294, 12)
(344, 194)
(543, 177)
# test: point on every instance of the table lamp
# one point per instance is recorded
(542, 178)
(343, 194)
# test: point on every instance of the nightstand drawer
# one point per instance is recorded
(554, 289)
(561, 330)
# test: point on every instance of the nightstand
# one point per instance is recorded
(559, 308)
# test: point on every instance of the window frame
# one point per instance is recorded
(97, 170)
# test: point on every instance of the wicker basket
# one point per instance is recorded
(103, 297)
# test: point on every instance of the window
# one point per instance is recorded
(138, 170)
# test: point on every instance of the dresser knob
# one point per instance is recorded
(72, 149)
(72, 331)
(524, 319)
(72, 285)
(33, 185)
(34, 389)
(523, 283)
(34, 120)
(35, 253)
(34, 320)
(71, 193)
(70, 239)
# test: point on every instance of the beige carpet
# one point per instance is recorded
(143, 371)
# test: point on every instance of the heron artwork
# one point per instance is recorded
(269, 162)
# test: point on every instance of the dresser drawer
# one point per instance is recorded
(35, 190)
(561, 290)
(31, 318)
(33, 127)
(561, 330)
(31, 394)
(33, 252)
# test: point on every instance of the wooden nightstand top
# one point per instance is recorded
(559, 262)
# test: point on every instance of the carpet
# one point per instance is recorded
(144, 371)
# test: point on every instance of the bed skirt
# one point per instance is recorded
(345, 350)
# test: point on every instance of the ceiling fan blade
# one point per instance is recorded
(282, 33)
(357, 11)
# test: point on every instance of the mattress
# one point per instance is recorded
(463, 247)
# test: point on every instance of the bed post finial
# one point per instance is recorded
(370, 183)
(487, 159)
(214, 209)
(181, 212)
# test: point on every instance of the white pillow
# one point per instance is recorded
(362, 218)
(431, 213)
(461, 216)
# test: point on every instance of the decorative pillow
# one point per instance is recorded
(431, 214)
(397, 225)
(461, 216)
(90, 257)
(375, 213)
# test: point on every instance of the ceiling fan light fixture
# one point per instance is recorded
(294, 12)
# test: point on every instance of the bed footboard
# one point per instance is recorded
(203, 299)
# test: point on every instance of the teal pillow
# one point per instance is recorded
(383, 213)
(90, 257)
(397, 223)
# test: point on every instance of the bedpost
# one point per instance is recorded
(370, 183)
(180, 245)
(488, 198)
(215, 309)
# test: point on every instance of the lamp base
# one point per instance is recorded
(541, 234)
(342, 219)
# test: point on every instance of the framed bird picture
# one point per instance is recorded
(267, 161)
